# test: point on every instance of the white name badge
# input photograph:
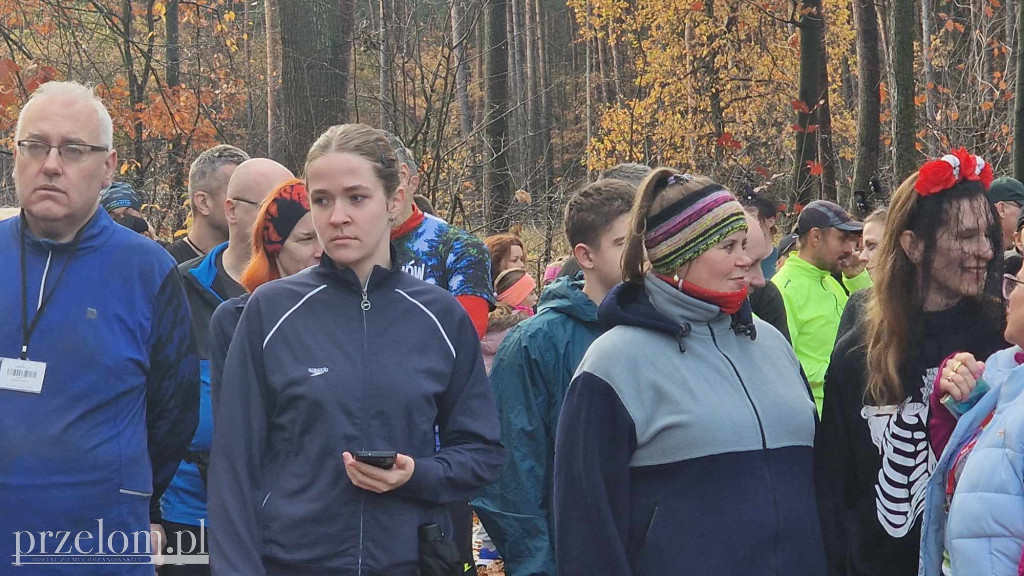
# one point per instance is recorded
(22, 375)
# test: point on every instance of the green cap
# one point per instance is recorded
(1006, 189)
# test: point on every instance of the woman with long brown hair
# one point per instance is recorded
(936, 292)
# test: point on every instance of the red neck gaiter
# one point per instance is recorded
(410, 224)
(728, 302)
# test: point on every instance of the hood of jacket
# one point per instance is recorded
(565, 295)
(657, 306)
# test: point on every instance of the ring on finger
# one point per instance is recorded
(957, 365)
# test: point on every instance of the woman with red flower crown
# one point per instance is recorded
(936, 292)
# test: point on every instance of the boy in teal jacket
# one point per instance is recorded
(533, 369)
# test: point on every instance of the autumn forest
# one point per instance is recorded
(511, 104)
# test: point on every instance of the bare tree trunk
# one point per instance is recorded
(930, 93)
(276, 145)
(498, 184)
(826, 149)
(460, 38)
(868, 97)
(314, 74)
(534, 167)
(173, 79)
(811, 26)
(905, 132)
(1018, 104)
(387, 27)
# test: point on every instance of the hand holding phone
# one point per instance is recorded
(368, 476)
(383, 459)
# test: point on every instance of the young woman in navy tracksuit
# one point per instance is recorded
(350, 355)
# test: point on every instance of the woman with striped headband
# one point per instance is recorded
(687, 433)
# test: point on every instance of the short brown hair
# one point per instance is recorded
(365, 141)
(593, 208)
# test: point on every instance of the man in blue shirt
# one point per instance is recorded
(99, 378)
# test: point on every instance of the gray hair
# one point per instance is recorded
(630, 172)
(78, 92)
(405, 156)
(209, 162)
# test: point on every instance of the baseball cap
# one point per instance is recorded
(825, 214)
(787, 244)
(119, 195)
(1006, 189)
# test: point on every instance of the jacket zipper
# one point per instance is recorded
(764, 448)
(365, 306)
(42, 285)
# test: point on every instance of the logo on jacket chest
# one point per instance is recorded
(318, 371)
(415, 270)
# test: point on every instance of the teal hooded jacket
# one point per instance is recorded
(530, 375)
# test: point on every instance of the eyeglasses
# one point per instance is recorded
(244, 201)
(1010, 283)
(72, 153)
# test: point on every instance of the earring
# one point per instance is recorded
(391, 218)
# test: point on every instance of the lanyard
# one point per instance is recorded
(28, 329)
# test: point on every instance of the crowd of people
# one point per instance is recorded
(324, 377)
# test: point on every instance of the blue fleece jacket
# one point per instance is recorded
(320, 365)
(119, 403)
(684, 446)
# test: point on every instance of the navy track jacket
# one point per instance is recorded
(120, 400)
(320, 365)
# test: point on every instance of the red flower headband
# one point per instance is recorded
(944, 173)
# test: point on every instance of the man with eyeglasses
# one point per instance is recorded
(210, 280)
(99, 378)
(1007, 196)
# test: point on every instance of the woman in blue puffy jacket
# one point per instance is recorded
(974, 508)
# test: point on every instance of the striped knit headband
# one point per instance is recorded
(688, 228)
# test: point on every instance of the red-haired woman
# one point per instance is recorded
(283, 243)
(507, 252)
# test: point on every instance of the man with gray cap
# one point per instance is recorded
(1007, 196)
(814, 298)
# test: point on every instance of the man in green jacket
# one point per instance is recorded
(532, 371)
(814, 298)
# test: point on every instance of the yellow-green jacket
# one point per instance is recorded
(814, 304)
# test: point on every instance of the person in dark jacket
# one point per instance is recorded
(856, 306)
(936, 292)
(99, 379)
(311, 379)
(765, 299)
(208, 178)
(283, 243)
(532, 371)
(209, 281)
(684, 443)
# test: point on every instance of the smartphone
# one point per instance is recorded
(384, 459)
(958, 409)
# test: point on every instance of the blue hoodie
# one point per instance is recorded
(184, 502)
(320, 365)
(685, 446)
(120, 399)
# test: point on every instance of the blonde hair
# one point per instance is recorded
(365, 141)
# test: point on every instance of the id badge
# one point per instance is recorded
(22, 375)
